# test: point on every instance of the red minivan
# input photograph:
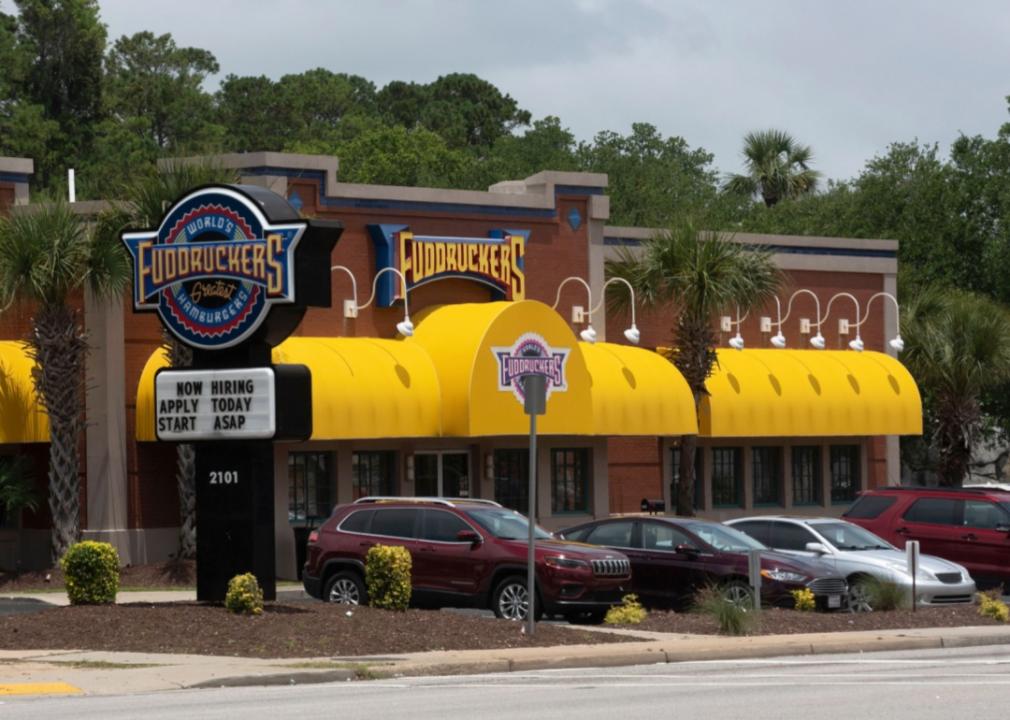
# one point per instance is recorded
(969, 526)
(465, 553)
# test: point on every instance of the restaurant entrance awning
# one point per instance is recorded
(459, 376)
(809, 393)
(22, 418)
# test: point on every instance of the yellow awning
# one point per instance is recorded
(637, 392)
(361, 388)
(450, 380)
(464, 341)
(22, 418)
(809, 393)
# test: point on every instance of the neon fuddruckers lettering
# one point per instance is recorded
(531, 355)
(214, 267)
(494, 261)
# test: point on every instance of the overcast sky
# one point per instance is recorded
(846, 78)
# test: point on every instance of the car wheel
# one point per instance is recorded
(345, 588)
(590, 617)
(860, 595)
(511, 601)
(739, 594)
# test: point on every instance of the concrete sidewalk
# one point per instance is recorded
(41, 672)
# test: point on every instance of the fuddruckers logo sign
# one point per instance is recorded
(497, 262)
(214, 267)
(531, 355)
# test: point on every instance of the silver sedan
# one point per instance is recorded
(857, 553)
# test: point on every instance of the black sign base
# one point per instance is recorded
(234, 517)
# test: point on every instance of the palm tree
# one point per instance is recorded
(777, 168)
(147, 198)
(696, 276)
(47, 257)
(957, 348)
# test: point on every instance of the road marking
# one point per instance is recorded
(692, 684)
(51, 688)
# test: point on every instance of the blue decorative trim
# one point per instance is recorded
(14, 177)
(384, 238)
(574, 219)
(416, 205)
(784, 249)
(578, 190)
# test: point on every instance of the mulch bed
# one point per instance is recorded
(775, 621)
(174, 574)
(284, 630)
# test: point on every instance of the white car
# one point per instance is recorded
(857, 553)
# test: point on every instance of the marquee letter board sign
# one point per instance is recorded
(230, 272)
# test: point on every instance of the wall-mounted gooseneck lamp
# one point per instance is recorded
(351, 308)
(856, 344)
(632, 333)
(779, 340)
(896, 343)
(578, 315)
(727, 323)
(589, 334)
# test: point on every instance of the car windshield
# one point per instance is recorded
(505, 524)
(851, 537)
(724, 539)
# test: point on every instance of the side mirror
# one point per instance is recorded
(816, 547)
(468, 536)
(685, 549)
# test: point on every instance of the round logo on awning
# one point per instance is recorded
(214, 267)
(531, 355)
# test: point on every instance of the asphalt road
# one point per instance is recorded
(926, 685)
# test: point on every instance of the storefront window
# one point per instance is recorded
(308, 487)
(727, 477)
(373, 473)
(844, 473)
(806, 475)
(512, 479)
(766, 468)
(699, 477)
(570, 476)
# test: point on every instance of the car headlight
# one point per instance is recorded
(783, 576)
(560, 561)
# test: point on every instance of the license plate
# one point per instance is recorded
(834, 601)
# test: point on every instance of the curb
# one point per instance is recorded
(662, 655)
(293, 678)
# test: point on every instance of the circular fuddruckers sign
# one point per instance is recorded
(214, 267)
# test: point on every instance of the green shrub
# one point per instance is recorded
(732, 618)
(629, 612)
(990, 604)
(244, 595)
(387, 576)
(91, 573)
(803, 600)
(886, 595)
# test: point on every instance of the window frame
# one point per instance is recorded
(856, 480)
(507, 460)
(737, 465)
(818, 474)
(777, 474)
(699, 476)
(373, 455)
(294, 485)
(582, 463)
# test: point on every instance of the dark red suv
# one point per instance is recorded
(969, 526)
(466, 553)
